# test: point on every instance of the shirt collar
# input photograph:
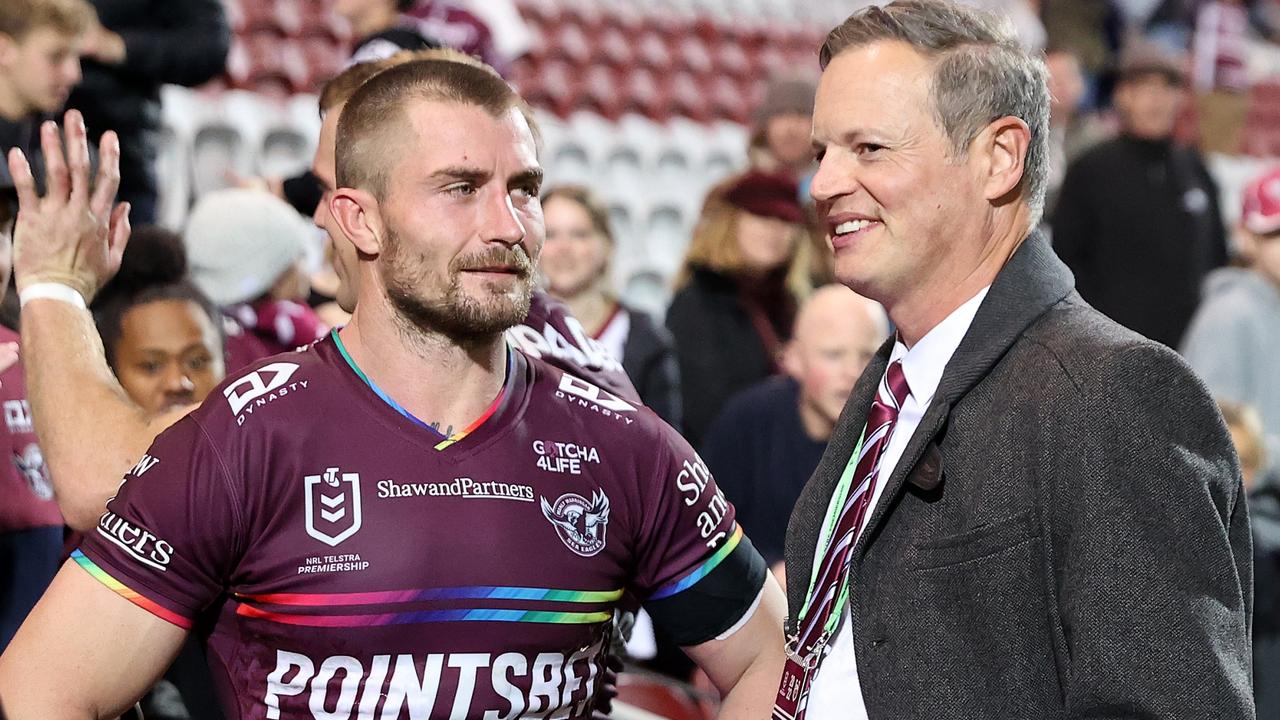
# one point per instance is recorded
(925, 362)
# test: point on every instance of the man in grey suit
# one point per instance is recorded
(1025, 511)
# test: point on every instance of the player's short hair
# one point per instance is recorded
(980, 73)
(377, 106)
(70, 17)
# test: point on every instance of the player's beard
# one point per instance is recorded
(453, 312)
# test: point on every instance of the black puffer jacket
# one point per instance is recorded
(180, 42)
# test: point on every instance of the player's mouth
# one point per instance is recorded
(499, 271)
(846, 229)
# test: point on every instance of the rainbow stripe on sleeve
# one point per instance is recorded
(124, 591)
(702, 570)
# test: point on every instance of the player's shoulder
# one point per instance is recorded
(277, 389)
(559, 395)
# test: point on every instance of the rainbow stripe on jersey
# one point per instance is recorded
(251, 606)
(447, 440)
(702, 570)
(124, 591)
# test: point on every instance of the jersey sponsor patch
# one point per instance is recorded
(332, 505)
(583, 394)
(260, 387)
(139, 543)
(580, 523)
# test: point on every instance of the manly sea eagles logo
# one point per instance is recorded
(31, 465)
(579, 523)
(333, 506)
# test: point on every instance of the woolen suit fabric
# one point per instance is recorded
(1065, 536)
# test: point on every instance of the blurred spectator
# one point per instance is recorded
(1086, 28)
(456, 27)
(381, 30)
(1071, 130)
(140, 45)
(1264, 519)
(30, 522)
(1234, 339)
(576, 261)
(780, 128)
(39, 65)
(163, 340)
(245, 248)
(768, 439)
(1137, 218)
(162, 336)
(1220, 48)
(1170, 24)
(743, 275)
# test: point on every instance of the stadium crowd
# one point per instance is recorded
(698, 284)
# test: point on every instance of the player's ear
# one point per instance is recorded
(357, 213)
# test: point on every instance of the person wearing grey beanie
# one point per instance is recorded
(780, 127)
(245, 248)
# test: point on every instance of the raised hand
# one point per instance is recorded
(73, 235)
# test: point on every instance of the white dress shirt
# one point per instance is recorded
(836, 692)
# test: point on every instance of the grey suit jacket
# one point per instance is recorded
(1065, 535)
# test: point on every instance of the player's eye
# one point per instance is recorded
(462, 189)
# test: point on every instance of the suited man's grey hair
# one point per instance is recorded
(980, 73)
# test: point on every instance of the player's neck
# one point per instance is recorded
(437, 380)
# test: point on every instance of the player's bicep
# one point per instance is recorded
(750, 654)
(84, 651)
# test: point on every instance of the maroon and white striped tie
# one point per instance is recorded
(890, 396)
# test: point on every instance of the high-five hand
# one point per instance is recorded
(73, 235)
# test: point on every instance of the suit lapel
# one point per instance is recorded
(1031, 282)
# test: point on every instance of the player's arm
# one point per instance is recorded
(746, 665)
(90, 431)
(83, 652)
(708, 589)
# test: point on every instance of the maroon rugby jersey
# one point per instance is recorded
(550, 333)
(27, 494)
(345, 561)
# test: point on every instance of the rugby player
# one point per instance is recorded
(344, 559)
(95, 432)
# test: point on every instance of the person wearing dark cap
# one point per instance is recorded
(1137, 218)
(780, 128)
(737, 291)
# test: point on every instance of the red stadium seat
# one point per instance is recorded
(323, 58)
(687, 98)
(693, 55)
(614, 49)
(659, 696)
(644, 95)
(731, 59)
(316, 17)
(652, 51)
(728, 99)
(601, 92)
(569, 41)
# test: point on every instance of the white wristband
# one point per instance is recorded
(51, 291)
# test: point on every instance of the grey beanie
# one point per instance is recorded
(240, 241)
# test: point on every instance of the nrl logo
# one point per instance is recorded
(579, 523)
(333, 506)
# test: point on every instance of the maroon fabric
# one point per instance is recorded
(27, 494)
(455, 27)
(550, 333)
(268, 327)
(294, 485)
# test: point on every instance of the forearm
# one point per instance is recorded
(90, 432)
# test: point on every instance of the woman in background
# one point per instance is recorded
(746, 269)
(575, 262)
